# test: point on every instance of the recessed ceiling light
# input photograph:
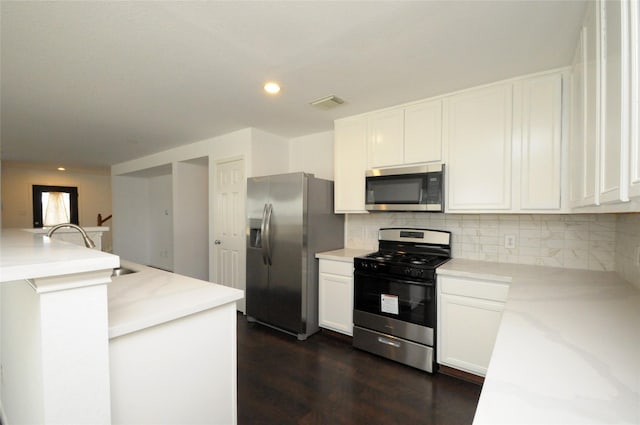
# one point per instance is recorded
(62, 169)
(271, 87)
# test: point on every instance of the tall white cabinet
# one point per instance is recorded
(350, 162)
(478, 140)
(614, 130)
(634, 99)
(605, 160)
(541, 143)
(505, 145)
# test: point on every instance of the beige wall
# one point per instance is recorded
(94, 193)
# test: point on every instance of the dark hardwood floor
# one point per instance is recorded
(324, 380)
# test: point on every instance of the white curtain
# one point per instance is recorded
(56, 208)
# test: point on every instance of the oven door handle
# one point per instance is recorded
(392, 278)
(387, 341)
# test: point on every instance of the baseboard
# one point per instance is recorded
(337, 335)
(460, 374)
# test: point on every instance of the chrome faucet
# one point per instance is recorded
(87, 240)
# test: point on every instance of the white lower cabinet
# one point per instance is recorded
(469, 314)
(335, 303)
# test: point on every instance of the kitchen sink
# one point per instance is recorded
(119, 271)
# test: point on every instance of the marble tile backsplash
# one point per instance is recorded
(627, 247)
(576, 241)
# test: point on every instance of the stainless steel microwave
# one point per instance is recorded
(417, 188)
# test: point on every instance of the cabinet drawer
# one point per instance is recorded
(476, 288)
(336, 267)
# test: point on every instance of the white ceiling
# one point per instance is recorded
(96, 83)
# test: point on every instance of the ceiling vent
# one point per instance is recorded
(328, 102)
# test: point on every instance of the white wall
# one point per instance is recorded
(312, 154)
(269, 153)
(264, 153)
(161, 222)
(94, 193)
(130, 218)
(191, 218)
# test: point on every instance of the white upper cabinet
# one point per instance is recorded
(585, 101)
(408, 135)
(614, 130)
(604, 144)
(386, 138)
(634, 105)
(478, 139)
(592, 108)
(541, 164)
(423, 132)
(503, 145)
(350, 162)
(578, 137)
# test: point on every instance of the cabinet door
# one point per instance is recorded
(578, 137)
(614, 101)
(467, 332)
(335, 302)
(350, 147)
(478, 139)
(423, 132)
(541, 143)
(386, 139)
(634, 139)
(592, 116)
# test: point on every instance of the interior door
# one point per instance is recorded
(229, 226)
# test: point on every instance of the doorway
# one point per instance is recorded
(54, 205)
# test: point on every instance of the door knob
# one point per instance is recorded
(217, 242)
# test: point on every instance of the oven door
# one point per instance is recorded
(395, 298)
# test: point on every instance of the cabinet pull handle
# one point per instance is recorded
(388, 342)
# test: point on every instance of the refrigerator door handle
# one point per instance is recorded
(267, 238)
(263, 233)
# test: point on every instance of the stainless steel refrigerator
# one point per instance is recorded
(289, 219)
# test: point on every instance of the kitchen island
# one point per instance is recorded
(79, 348)
(172, 347)
(567, 349)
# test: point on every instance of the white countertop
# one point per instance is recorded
(43, 230)
(568, 347)
(345, 254)
(152, 296)
(27, 255)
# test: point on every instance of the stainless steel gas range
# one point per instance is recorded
(395, 295)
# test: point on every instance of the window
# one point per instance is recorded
(54, 205)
